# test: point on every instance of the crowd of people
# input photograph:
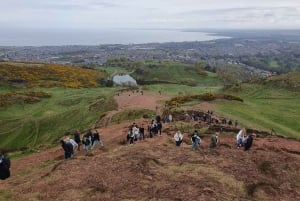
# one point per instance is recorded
(242, 139)
(89, 141)
(137, 133)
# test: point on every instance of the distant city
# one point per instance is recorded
(254, 50)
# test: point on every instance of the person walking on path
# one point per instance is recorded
(196, 140)
(97, 139)
(68, 148)
(178, 137)
(77, 139)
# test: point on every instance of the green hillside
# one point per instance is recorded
(27, 120)
(265, 108)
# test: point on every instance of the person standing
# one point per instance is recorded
(213, 141)
(86, 143)
(196, 140)
(4, 166)
(68, 148)
(240, 137)
(178, 137)
(77, 139)
(248, 143)
(97, 139)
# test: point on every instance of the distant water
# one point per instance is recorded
(76, 37)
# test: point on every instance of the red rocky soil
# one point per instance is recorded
(154, 169)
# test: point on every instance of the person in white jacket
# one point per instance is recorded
(178, 137)
(240, 137)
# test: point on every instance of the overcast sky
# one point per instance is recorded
(178, 14)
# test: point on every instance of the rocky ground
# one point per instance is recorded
(154, 169)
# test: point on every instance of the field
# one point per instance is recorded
(68, 109)
(30, 125)
(265, 108)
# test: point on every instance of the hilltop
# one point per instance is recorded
(155, 169)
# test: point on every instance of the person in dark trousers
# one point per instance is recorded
(77, 139)
(142, 132)
(68, 148)
(131, 136)
(4, 166)
(249, 142)
(159, 127)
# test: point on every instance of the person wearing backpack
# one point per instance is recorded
(86, 143)
(68, 148)
(4, 167)
(196, 140)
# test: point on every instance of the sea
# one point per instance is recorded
(34, 37)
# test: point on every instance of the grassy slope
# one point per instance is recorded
(44, 122)
(265, 108)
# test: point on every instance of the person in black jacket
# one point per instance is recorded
(77, 139)
(68, 148)
(248, 142)
(4, 166)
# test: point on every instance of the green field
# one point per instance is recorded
(29, 125)
(265, 108)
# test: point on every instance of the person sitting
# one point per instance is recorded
(4, 167)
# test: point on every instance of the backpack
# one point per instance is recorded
(193, 138)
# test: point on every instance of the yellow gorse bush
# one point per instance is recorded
(50, 75)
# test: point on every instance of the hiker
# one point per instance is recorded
(178, 137)
(159, 127)
(68, 148)
(248, 142)
(214, 141)
(74, 144)
(196, 140)
(131, 136)
(136, 132)
(240, 138)
(96, 139)
(86, 143)
(236, 123)
(4, 166)
(77, 139)
(170, 118)
(89, 135)
(142, 132)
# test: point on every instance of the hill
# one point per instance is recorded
(41, 102)
(48, 75)
(154, 169)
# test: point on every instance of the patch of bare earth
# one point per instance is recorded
(155, 169)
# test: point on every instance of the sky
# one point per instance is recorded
(149, 14)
